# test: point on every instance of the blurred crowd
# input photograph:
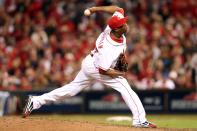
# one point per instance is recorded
(42, 42)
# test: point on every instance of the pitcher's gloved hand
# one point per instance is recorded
(121, 64)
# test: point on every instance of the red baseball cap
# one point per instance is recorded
(115, 22)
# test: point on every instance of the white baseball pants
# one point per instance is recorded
(87, 73)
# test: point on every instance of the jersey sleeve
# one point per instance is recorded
(119, 13)
(107, 29)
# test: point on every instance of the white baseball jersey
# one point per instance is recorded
(108, 48)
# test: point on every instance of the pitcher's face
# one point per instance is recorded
(123, 29)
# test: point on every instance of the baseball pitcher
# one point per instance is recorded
(106, 63)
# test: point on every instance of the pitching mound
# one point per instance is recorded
(42, 124)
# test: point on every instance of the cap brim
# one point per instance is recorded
(123, 21)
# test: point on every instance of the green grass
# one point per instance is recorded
(175, 121)
(166, 121)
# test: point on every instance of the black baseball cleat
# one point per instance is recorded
(28, 107)
(146, 124)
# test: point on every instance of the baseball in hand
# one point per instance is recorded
(87, 12)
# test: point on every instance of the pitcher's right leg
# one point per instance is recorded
(80, 82)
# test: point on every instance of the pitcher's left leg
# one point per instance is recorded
(130, 97)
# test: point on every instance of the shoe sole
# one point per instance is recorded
(26, 114)
(145, 126)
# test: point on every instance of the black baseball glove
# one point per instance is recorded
(121, 64)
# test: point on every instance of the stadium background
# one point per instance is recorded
(42, 44)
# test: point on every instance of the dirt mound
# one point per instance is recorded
(42, 124)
